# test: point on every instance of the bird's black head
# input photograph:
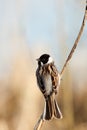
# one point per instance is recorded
(45, 59)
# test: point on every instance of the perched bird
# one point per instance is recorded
(48, 80)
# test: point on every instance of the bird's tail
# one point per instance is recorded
(51, 109)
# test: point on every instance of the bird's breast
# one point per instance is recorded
(48, 84)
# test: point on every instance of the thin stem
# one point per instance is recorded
(76, 41)
(41, 119)
(39, 123)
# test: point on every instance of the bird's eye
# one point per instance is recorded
(44, 61)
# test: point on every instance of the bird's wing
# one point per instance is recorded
(54, 77)
(40, 81)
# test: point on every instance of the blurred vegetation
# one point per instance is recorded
(21, 102)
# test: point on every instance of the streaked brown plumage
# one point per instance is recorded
(48, 80)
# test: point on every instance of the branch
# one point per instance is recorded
(41, 119)
(76, 41)
(39, 123)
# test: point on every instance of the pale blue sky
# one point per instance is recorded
(42, 23)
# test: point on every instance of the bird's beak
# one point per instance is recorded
(37, 59)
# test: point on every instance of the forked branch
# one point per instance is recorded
(76, 41)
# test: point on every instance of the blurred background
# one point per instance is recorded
(29, 28)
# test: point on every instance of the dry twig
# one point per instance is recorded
(76, 41)
(39, 123)
(41, 120)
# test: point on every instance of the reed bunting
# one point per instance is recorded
(48, 80)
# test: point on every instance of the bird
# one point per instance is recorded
(48, 80)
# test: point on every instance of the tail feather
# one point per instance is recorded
(51, 109)
(48, 109)
(57, 112)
